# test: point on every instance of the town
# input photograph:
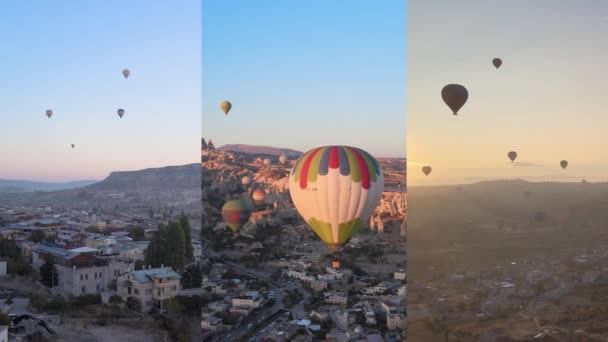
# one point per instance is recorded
(276, 282)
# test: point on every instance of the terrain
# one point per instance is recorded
(508, 261)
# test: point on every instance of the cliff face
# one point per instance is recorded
(267, 150)
(164, 178)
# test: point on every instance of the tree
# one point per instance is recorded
(115, 300)
(4, 319)
(37, 236)
(137, 233)
(139, 265)
(185, 224)
(48, 274)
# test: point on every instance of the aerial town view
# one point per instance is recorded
(276, 280)
(507, 235)
(99, 179)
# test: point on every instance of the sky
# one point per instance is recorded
(302, 74)
(68, 57)
(547, 101)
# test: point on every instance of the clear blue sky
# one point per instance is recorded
(67, 56)
(301, 74)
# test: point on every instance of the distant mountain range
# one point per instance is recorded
(19, 186)
(252, 149)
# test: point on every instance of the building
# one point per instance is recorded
(395, 321)
(249, 300)
(80, 271)
(211, 323)
(149, 288)
(339, 298)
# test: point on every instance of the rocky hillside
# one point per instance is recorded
(163, 178)
(267, 150)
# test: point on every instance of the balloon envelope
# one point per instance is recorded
(246, 180)
(226, 106)
(73, 145)
(126, 73)
(336, 189)
(236, 213)
(497, 62)
(512, 155)
(266, 161)
(49, 113)
(455, 96)
(259, 196)
(426, 170)
(563, 164)
(121, 112)
(282, 159)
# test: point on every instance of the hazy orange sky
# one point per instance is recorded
(547, 101)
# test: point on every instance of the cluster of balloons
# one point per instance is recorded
(120, 111)
(513, 155)
(455, 96)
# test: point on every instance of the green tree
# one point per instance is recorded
(37, 236)
(48, 274)
(115, 300)
(139, 265)
(185, 224)
(137, 233)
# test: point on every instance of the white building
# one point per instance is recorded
(149, 287)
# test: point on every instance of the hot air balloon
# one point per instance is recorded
(563, 164)
(455, 96)
(126, 73)
(236, 213)
(512, 155)
(497, 62)
(282, 159)
(49, 113)
(120, 112)
(259, 196)
(336, 189)
(266, 161)
(226, 106)
(426, 170)
(73, 145)
(246, 180)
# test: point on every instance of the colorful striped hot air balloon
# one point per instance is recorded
(259, 196)
(236, 213)
(336, 189)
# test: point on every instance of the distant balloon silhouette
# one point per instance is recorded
(266, 161)
(226, 106)
(126, 73)
(426, 170)
(120, 112)
(512, 155)
(73, 145)
(563, 164)
(49, 113)
(282, 160)
(246, 180)
(455, 96)
(497, 62)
